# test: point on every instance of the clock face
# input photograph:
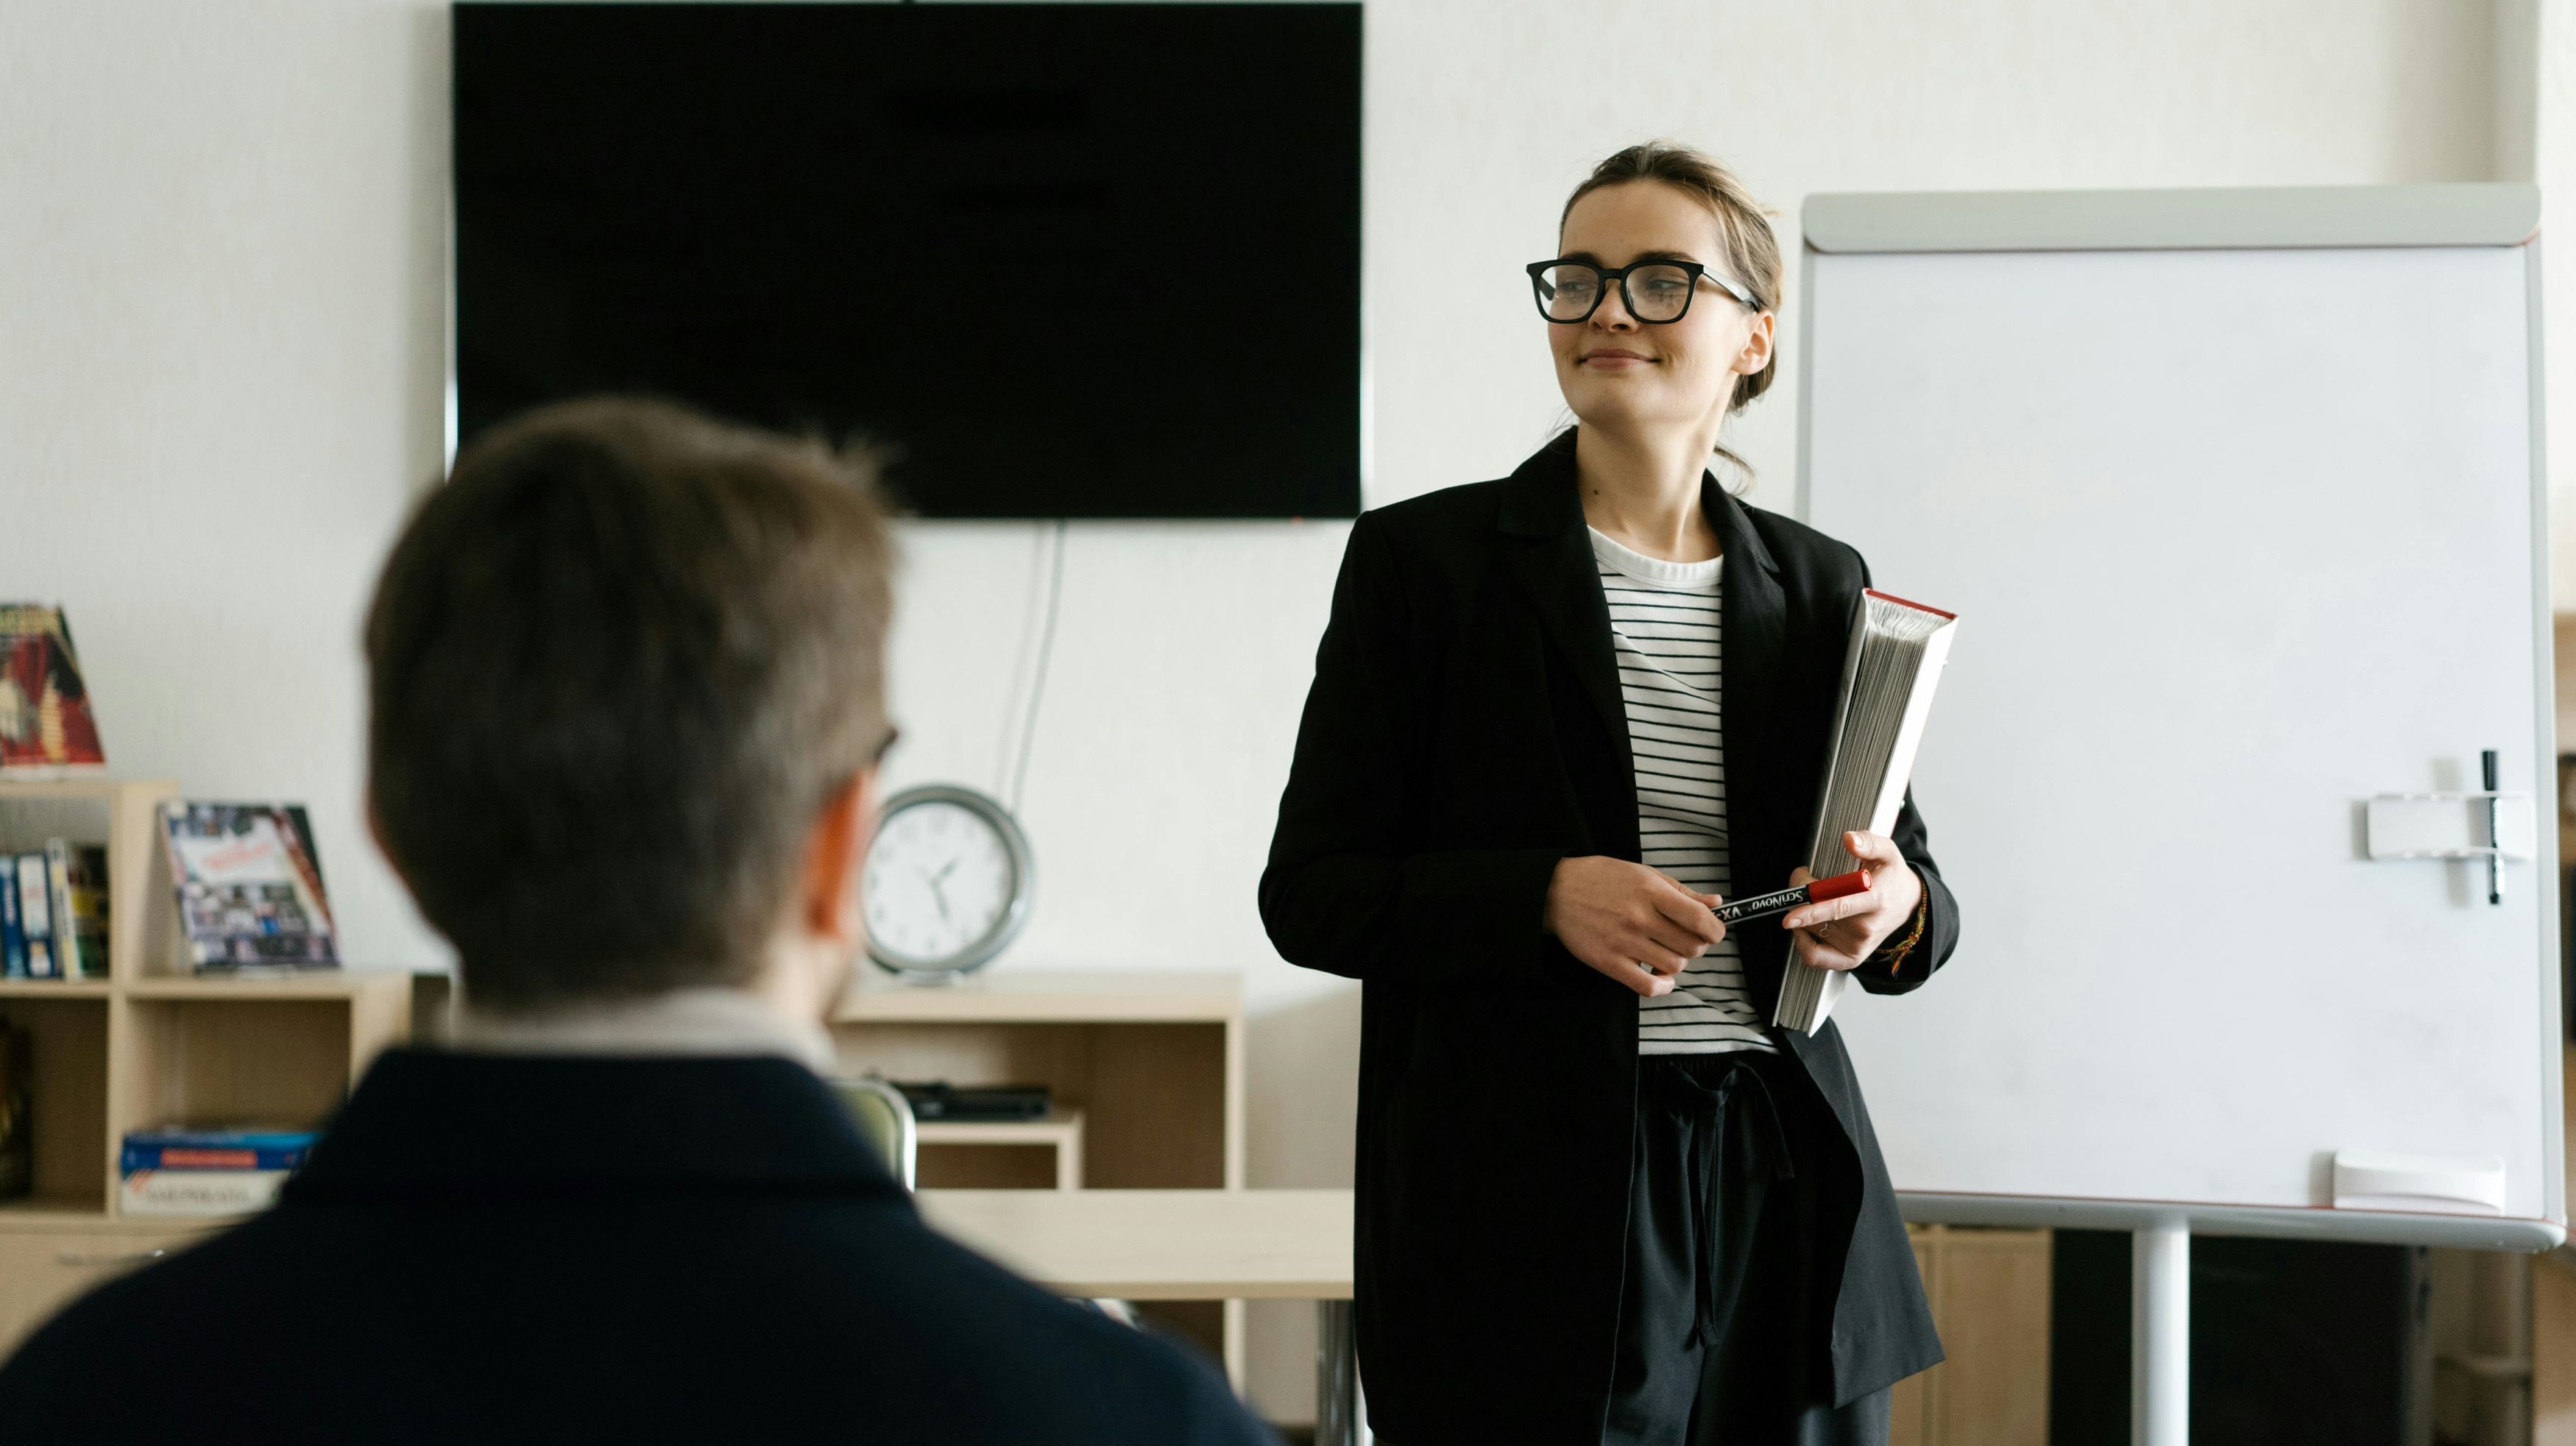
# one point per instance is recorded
(940, 880)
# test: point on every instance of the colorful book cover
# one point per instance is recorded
(36, 916)
(80, 906)
(58, 900)
(13, 935)
(172, 1147)
(45, 718)
(250, 885)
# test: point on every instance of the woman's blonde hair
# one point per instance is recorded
(1743, 229)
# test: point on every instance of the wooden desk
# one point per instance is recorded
(1183, 1245)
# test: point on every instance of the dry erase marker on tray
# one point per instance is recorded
(1787, 899)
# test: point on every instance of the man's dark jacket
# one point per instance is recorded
(487, 1248)
(1465, 732)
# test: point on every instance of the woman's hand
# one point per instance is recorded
(1840, 933)
(1628, 921)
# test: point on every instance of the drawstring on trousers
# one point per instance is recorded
(1739, 1108)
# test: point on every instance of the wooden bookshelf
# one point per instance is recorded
(1146, 1070)
(151, 1044)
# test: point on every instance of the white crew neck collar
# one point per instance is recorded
(1628, 562)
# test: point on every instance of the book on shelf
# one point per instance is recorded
(1889, 671)
(46, 726)
(250, 886)
(13, 930)
(76, 878)
(179, 1170)
(53, 912)
(36, 916)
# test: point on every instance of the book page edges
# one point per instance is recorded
(1808, 994)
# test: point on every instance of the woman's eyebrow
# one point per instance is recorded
(1589, 259)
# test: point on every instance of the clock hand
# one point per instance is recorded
(940, 896)
(943, 873)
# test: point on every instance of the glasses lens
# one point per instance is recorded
(1659, 292)
(1568, 293)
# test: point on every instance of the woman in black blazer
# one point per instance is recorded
(1576, 1224)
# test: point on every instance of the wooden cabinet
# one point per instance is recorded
(1989, 1293)
(151, 1044)
(1146, 1070)
(45, 1264)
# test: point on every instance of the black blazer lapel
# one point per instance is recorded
(1761, 825)
(1548, 556)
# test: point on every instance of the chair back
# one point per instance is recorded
(885, 1117)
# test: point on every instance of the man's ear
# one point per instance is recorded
(836, 849)
(376, 831)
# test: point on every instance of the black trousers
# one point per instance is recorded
(1722, 1334)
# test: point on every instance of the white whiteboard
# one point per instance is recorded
(2238, 538)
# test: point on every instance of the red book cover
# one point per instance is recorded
(45, 718)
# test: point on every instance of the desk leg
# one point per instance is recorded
(1341, 1411)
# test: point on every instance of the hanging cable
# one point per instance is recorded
(1037, 686)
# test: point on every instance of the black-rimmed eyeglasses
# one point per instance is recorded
(1657, 293)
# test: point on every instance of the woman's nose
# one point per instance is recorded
(1612, 313)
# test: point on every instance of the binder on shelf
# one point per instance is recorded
(36, 916)
(76, 881)
(13, 934)
(1889, 671)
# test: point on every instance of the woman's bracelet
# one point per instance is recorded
(1895, 953)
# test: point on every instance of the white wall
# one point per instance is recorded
(219, 358)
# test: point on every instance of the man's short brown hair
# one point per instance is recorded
(617, 665)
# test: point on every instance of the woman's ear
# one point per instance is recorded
(1756, 352)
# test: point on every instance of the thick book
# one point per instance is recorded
(250, 886)
(177, 1147)
(46, 727)
(1889, 671)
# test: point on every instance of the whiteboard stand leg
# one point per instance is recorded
(2160, 1336)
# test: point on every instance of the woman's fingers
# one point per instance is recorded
(1687, 910)
(1632, 975)
(1874, 850)
(1807, 916)
(1822, 956)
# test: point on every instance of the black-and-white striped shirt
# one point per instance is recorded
(1665, 628)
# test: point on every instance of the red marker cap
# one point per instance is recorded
(1857, 881)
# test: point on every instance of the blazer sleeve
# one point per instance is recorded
(1940, 916)
(1348, 889)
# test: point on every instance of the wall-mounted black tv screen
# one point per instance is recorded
(1062, 260)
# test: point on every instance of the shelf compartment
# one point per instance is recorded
(1002, 1154)
(66, 1101)
(229, 1052)
(122, 814)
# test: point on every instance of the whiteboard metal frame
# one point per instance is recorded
(2279, 218)
(2273, 218)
